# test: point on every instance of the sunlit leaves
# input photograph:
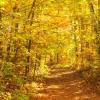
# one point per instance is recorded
(58, 31)
(3, 2)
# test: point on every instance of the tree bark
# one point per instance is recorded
(94, 22)
(30, 16)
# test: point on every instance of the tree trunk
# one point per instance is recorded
(30, 16)
(95, 22)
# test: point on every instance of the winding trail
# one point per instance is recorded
(65, 84)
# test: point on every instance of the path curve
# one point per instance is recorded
(65, 84)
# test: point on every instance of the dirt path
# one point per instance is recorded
(65, 84)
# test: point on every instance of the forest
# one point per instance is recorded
(49, 50)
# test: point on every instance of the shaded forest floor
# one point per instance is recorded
(65, 84)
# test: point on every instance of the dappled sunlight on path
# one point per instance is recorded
(65, 84)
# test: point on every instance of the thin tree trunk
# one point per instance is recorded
(31, 14)
(16, 10)
(0, 17)
(94, 22)
(35, 66)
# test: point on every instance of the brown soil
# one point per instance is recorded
(65, 84)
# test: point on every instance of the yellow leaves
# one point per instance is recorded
(43, 69)
(61, 21)
(29, 87)
(17, 14)
(44, 18)
(14, 0)
(90, 37)
(52, 11)
(32, 85)
(5, 96)
(3, 2)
